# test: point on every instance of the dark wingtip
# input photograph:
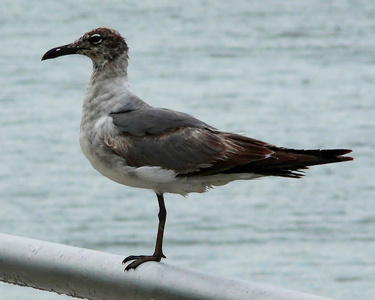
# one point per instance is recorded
(345, 158)
(291, 162)
(339, 153)
(344, 151)
(330, 155)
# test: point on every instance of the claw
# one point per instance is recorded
(132, 257)
(140, 259)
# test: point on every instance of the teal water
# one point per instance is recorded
(292, 73)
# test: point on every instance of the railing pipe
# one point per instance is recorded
(95, 275)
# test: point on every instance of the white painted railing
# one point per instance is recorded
(94, 275)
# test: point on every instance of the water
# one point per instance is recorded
(297, 74)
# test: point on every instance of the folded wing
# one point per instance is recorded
(179, 142)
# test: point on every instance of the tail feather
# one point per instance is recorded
(241, 154)
(288, 162)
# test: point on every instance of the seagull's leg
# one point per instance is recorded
(158, 253)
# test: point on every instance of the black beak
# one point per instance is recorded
(60, 51)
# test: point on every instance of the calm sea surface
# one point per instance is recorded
(293, 73)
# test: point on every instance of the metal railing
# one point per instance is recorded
(95, 275)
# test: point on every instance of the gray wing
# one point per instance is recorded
(184, 150)
(178, 141)
(165, 138)
(153, 121)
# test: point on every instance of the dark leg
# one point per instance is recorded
(158, 253)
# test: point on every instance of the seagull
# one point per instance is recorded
(138, 145)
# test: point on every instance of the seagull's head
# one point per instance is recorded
(102, 45)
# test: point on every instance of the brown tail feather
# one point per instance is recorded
(287, 162)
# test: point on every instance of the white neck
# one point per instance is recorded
(106, 82)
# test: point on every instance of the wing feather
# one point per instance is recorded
(179, 142)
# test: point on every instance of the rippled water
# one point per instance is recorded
(293, 73)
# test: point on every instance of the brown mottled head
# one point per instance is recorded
(102, 45)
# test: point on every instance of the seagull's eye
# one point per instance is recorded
(95, 39)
